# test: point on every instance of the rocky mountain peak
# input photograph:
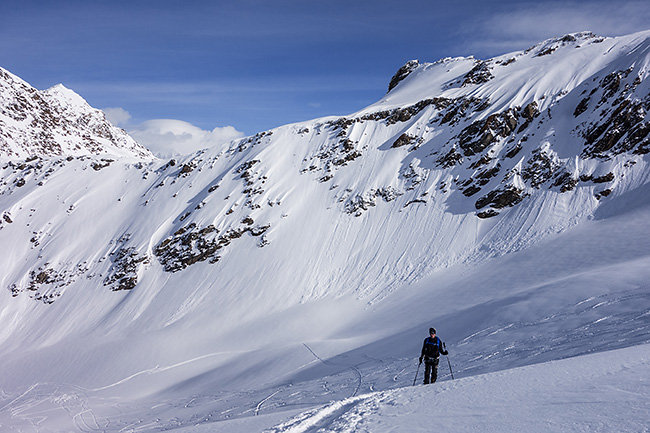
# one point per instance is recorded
(402, 73)
(56, 122)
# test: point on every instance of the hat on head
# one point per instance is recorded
(432, 330)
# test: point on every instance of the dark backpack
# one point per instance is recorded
(432, 347)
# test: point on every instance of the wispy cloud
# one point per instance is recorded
(529, 23)
(118, 116)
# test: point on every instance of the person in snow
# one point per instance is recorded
(431, 350)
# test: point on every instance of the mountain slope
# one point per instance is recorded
(504, 201)
(56, 122)
(555, 396)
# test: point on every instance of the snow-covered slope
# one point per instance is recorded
(558, 396)
(56, 122)
(503, 201)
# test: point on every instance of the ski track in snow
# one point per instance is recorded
(313, 421)
(605, 392)
(352, 367)
(621, 320)
(40, 401)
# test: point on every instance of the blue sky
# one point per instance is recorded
(253, 65)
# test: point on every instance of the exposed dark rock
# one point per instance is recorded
(530, 111)
(415, 201)
(487, 214)
(244, 169)
(474, 184)
(484, 176)
(603, 193)
(123, 274)
(484, 160)
(193, 244)
(546, 51)
(47, 282)
(103, 164)
(623, 131)
(471, 190)
(451, 158)
(479, 74)
(458, 109)
(404, 140)
(252, 141)
(540, 168)
(566, 182)
(511, 153)
(611, 84)
(603, 179)
(186, 169)
(402, 73)
(259, 230)
(363, 202)
(479, 135)
(581, 107)
(500, 198)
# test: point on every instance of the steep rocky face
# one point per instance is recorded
(460, 142)
(56, 122)
(402, 73)
(504, 155)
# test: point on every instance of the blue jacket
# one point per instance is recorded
(432, 348)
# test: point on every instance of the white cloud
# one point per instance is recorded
(117, 116)
(169, 137)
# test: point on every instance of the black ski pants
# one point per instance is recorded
(431, 370)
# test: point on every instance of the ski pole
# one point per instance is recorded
(452, 373)
(416, 373)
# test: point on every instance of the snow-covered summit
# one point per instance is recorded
(56, 122)
(541, 73)
(504, 201)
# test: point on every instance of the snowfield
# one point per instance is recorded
(284, 282)
(593, 393)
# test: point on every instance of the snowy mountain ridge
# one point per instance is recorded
(56, 122)
(504, 201)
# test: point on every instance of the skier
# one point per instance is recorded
(431, 350)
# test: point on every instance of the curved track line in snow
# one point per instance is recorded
(259, 405)
(311, 420)
(351, 367)
(41, 401)
(157, 369)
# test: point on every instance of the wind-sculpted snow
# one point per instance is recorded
(503, 201)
